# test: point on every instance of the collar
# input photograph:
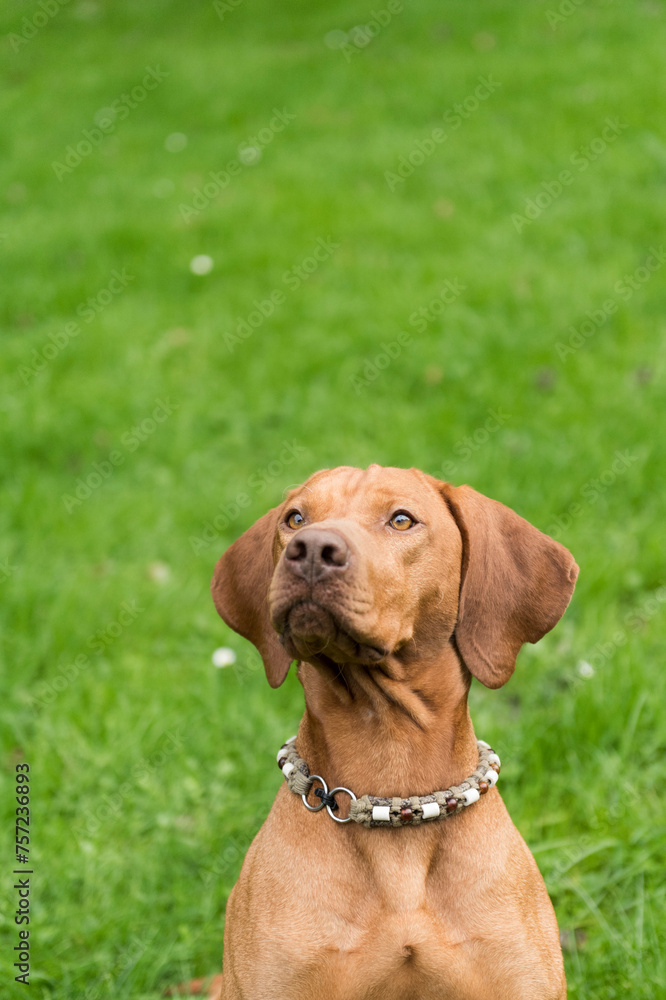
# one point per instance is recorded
(374, 810)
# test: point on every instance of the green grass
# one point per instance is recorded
(142, 808)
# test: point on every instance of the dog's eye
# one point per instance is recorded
(401, 521)
(295, 519)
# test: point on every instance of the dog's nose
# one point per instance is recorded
(315, 553)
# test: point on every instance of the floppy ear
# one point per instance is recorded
(240, 592)
(515, 586)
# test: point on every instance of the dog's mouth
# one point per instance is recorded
(310, 631)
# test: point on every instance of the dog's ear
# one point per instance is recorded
(515, 585)
(240, 592)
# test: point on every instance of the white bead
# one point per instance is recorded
(430, 810)
(381, 813)
(494, 759)
(287, 769)
(291, 739)
(482, 743)
(470, 796)
(281, 753)
(491, 777)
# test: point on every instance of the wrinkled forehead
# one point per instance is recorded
(365, 494)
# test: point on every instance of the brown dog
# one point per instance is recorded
(392, 590)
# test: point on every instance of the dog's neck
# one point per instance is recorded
(399, 729)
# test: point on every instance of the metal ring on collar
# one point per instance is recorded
(337, 819)
(315, 809)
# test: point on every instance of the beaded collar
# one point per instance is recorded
(373, 810)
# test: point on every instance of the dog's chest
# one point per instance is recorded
(399, 956)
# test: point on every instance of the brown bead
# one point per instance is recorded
(495, 768)
(406, 814)
(451, 805)
(483, 787)
(282, 761)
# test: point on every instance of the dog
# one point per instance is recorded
(392, 590)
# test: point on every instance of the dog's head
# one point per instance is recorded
(360, 566)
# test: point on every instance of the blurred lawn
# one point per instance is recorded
(142, 809)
